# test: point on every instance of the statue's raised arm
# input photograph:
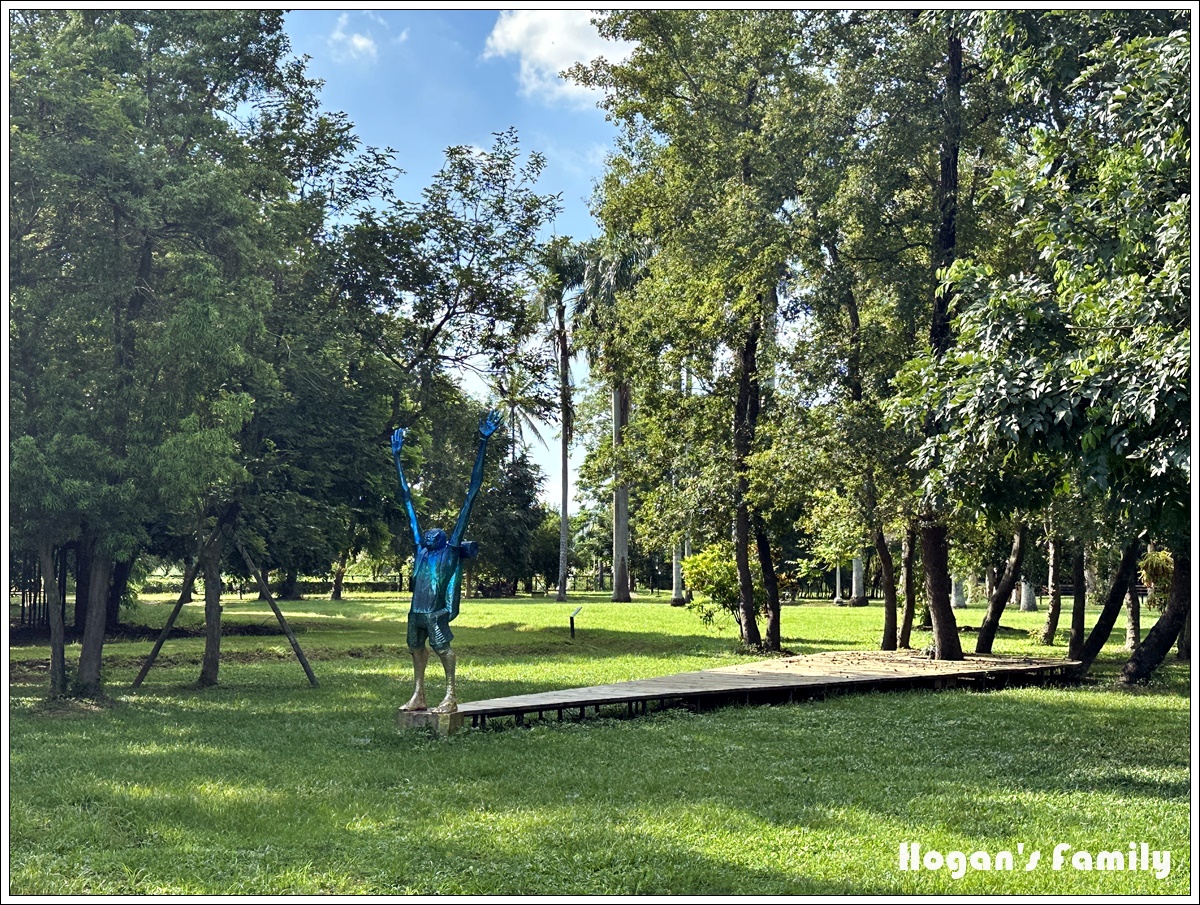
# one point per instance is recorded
(405, 494)
(487, 427)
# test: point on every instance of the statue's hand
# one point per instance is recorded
(397, 440)
(488, 425)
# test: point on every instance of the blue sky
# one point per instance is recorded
(423, 80)
(420, 81)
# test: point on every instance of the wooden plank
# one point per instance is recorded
(831, 670)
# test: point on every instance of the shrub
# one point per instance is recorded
(713, 573)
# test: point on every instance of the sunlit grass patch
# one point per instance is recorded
(265, 785)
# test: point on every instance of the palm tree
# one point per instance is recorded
(564, 265)
(521, 399)
(612, 267)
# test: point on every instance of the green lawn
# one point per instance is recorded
(266, 785)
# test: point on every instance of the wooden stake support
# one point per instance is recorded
(190, 576)
(266, 592)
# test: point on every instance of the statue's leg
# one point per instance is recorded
(450, 701)
(420, 656)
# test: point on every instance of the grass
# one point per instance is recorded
(264, 785)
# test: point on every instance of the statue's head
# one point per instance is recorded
(435, 539)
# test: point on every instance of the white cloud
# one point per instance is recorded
(354, 46)
(547, 42)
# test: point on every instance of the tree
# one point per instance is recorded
(934, 544)
(42, 512)
(564, 269)
(544, 549)
(191, 337)
(612, 267)
(148, 168)
(522, 398)
(444, 283)
(875, 189)
(708, 101)
(1081, 355)
(507, 521)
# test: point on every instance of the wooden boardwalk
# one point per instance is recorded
(774, 681)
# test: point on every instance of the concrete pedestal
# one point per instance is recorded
(441, 724)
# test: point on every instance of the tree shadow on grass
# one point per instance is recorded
(572, 808)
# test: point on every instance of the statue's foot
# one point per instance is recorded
(416, 702)
(449, 705)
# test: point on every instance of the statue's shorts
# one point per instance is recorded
(435, 626)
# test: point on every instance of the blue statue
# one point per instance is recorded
(437, 576)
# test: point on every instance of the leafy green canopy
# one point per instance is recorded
(1080, 360)
(156, 187)
(216, 299)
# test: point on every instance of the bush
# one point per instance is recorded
(713, 573)
(1156, 569)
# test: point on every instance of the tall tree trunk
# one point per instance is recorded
(948, 152)
(747, 610)
(564, 530)
(1078, 604)
(122, 571)
(90, 684)
(620, 414)
(935, 553)
(1054, 554)
(743, 438)
(858, 594)
(934, 544)
(339, 576)
(1152, 651)
(908, 552)
(1004, 588)
(858, 591)
(210, 563)
(889, 590)
(1028, 596)
(766, 561)
(54, 613)
(677, 598)
(770, 583)
(28, 593)
(564, 404)
(1112, 606)
(289, 588)
(1133, 618)
(84, 554)
(62, 582)
(189, 562)
(1184, 649)
(957, 593)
